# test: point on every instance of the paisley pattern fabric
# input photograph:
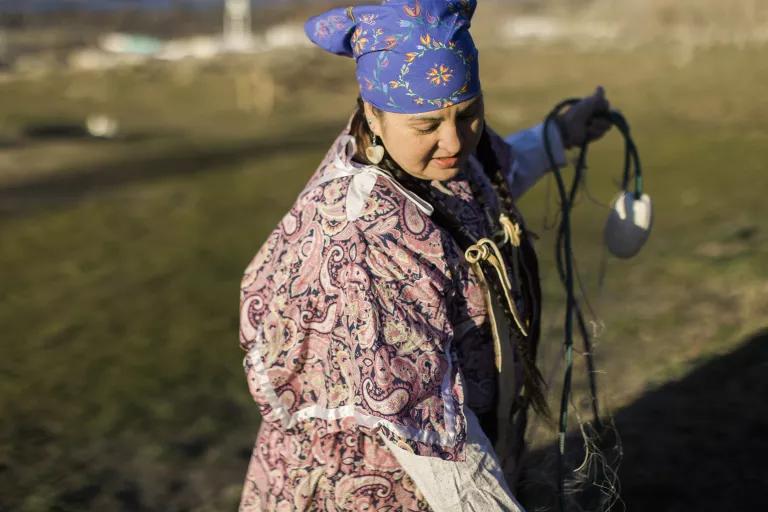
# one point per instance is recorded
(327, 469)
(361, 324)
(412, 55)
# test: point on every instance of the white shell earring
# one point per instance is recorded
(375, 152)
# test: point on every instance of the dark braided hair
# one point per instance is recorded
(527, 276)
(521, 259)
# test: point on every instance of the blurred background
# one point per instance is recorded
(147, 148)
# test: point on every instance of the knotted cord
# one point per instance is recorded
(486, 250)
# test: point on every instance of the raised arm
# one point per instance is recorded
(529, 161)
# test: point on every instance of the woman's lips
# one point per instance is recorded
(446, 162)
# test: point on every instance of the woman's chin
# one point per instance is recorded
(449, 174)
(431, 173)
(443, 174)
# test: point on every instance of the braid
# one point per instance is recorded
(533, 382)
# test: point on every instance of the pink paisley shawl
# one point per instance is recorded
(359, 324)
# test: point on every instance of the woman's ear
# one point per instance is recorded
(372, 118)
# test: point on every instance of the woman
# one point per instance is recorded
(377, 315)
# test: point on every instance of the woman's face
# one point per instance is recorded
(432, 145)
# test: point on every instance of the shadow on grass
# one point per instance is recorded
(71, 186)
(699, 443)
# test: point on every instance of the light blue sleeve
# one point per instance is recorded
(530, 161)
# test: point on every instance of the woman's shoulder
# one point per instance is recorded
(372, 211)
(365, 195)
(361, 221)
(349, 207)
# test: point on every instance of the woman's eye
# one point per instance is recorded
(428, 129)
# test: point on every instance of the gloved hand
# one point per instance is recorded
(579, 123)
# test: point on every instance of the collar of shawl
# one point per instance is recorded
(339, 163)
(364, 178)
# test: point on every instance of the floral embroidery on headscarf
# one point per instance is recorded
(412, 55)
(359, 41)
(440, 74)
(413, 12)
(326, 27)
(361, 38)
(368, 19)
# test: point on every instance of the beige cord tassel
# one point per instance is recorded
(486, 250)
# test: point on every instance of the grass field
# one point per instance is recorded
(120, 379)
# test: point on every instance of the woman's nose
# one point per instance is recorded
(450, 139)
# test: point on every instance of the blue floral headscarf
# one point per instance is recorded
(412, 55)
